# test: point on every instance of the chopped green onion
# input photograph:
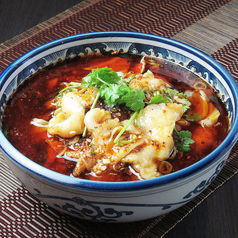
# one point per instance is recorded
(123, 142)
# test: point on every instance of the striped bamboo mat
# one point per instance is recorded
(209, 25)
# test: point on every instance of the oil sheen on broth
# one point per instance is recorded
(115, 118)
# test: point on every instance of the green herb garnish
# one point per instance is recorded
(114, 90)
(175, 96)
(159, 99)
(133, 98)
(192, 116)
(125, 127)
(124, 142)
(183, 140)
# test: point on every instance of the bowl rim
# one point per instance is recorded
(65, 180)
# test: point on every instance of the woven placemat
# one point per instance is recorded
(195, 22)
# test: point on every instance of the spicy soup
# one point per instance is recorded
(115, 118)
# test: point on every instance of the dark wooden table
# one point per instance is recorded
(217, 216)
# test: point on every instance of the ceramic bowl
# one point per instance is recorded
(119, 201)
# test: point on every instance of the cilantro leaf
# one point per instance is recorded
(110, 94)
(183, 140)
(101, 77)
(158, 99)
(134, 99)
(114, 89)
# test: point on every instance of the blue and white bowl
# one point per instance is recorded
(119, 201)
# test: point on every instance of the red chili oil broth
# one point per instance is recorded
(33, 100)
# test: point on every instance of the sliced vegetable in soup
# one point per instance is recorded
(115, 118)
